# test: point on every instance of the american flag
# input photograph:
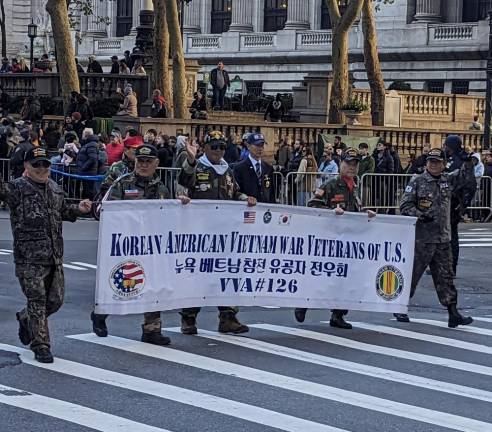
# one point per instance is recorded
(127, 277)
(249, 217)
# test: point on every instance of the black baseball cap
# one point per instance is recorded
(256, 139)
(436, 154)
(350, 155)
(36, 154)
(146, 150)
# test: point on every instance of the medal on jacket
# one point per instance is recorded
(267, 182)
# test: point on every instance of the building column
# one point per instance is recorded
(206, 18)
(93, 27)
(242, 16)
(135, 17)
(297, 15)
(192, 17)
(428, 11)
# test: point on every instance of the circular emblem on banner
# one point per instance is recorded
(389, 282)
(127, 279)
(267, 217)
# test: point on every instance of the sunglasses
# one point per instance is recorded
(218, 147)
(41, 164)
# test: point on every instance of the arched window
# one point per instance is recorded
(124, 17)
(221, 16)
(476, 10)
(275, 15)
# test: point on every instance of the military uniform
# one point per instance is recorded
(115, 171)
(429, 199)
(37, 211)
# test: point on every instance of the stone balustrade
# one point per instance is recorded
(258, 40)
(314, 38)
(108, 46)
(204, 41)
(461, 32)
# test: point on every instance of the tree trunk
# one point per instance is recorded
(179, 68)
(3, 29)
(341, 25)
(160, 76)
(67, 69)
(373, 67)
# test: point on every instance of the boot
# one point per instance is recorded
(99, 325)
(43, 355)
(401, 317)
(155, 338)
(338, 321)
(24, 333)
(228, 323)
(456, 319)
(300, 314)
(188, 324)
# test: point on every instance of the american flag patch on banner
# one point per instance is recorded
(249, 217)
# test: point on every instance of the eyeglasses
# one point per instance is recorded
(39, 164)
(218, 147)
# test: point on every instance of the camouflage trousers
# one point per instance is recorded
(439, 258)
(44, 289)
(152, 321)
(193, 312)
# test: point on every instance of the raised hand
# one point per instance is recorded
(191, 150)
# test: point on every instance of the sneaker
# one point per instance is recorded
(43, 355)
(24, 333)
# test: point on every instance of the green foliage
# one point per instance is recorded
(378, 3)
(400, 86)
(105, 108)
(77, 8)
(354, 105)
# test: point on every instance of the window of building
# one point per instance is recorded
(275, 15)
(435, 86)
(476, 10)
(221, 16)
(124, 17)
(460, 87)
(325, 17)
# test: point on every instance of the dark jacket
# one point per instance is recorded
(94, 67)
(36, 215)
(17, 158)
(84, 108)
(262, 189)
(335, 192)
(275, 110)
(87, 157)
(148, 188)
(115, 68)
(385, 163)
(213, 78)
(418, 165)
(165, 155)
(231, 155)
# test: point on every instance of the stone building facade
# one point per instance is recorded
(434, 45)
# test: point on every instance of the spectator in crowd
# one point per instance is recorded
(159, 106)
(231, 155)
(15, 66)
(72, 104)
(70, 150)
(295, 156)
(31, 110)
(19, 153)
(475, 124)
(36, 137)
(244, 152)
(124, 69)
(282, 157)
(130, 104)
(487, 162)
(380, 187)
(6, 67)
(385, 163)
(138, 68)
(19, 66)
(418, 165)
(398, 168)
(128, 60)
(80, 69)
(115, 65)
(84, 108)
(164, 151)
(102, 154)
(367, 164)
(253, 175)
(115, 148)
(181, 142)
(219, 79)
(150, 137)
(198, 107)
(45, 64)
(77, 124)
(275, 109)
(339, 148)
(474, 198)
(305, 179)
(52, 135)
(94, 66)
(327, 165)
(87, 161)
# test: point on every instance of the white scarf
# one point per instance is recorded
(219, 169)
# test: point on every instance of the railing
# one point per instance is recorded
(310, 38)
(204, 41)
(106, 85)
(453, 32)
(258, 40)
(432, 104)
(108, 46)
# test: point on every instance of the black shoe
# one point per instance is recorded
(228, 323)
(456, 319)
(43, 355)
(401, 317)
(188, 324)
(155, 338)
(338, 321)
(99, 325)
(300, 314)
(24, 333)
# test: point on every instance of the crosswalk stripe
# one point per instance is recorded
(474, 239)
(4, 253)
(454, 343)
(268, 378)
(270, 307)
(70, 412)
(83, 264)
(464, 329)
(476, 244)
(72, 267)
(208, 402)
(7, 251)
(488, 320)
(478, 229)
(377, 349)
(358, 368)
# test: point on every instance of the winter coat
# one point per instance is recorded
(87, 158)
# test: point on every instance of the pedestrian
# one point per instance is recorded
(164, 151)
(138, 68)
(475, 124)
(428, 198)
(254, 176)
(18, 155)
(129, 107)
(128, 60)
(115, 148)
(159, 106)
(198, 109)
(211, 178)
(306, 178)
(283, 154)
(94, 66)
(6, 67)
(37, 209)
(31, 110)
(418, 165)
(77, 125)
(231, 155)
(115, 65)
(124, 69)
(143, 183)
(84, 108)
(327, 165)
(340, 194)
(79, 67)
(87, 161)
(243, 151)
(385, 164)
(474, 199)
(219, 79)
(367, 165)
(275, 109)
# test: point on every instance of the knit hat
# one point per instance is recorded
(453, 142)
(76, 116)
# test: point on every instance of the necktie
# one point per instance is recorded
(258, 170)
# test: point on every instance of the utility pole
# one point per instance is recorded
(488, 94)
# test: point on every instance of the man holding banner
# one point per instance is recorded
(339, 194)
(211, 178)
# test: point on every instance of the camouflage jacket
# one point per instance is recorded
(429, 199)
(203, 182)
(36, 215)
(134, 187)
(335, 192)
(115, 171)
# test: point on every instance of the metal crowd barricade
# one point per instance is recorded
(383, 191)
(300, 186)
(169, 176)
(5, 169)
(481, 205)
(279, 185)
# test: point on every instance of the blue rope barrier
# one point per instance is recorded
(98, 178)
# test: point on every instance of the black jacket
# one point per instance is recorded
(213, 78)
(275, 109)
(384, 164)
(264, 189)
(94, 67)
(115, 68)
(17, 158)
(87, 157)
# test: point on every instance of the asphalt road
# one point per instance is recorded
(381, 376)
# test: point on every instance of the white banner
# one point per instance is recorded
(160, 255)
